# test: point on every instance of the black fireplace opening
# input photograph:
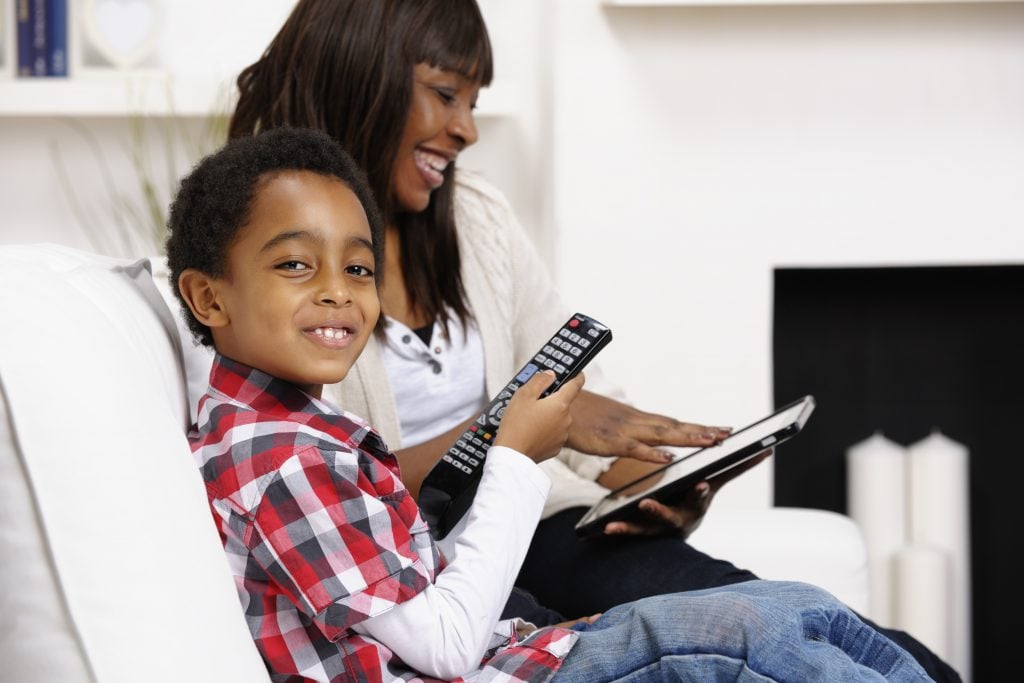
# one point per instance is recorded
(906, 350)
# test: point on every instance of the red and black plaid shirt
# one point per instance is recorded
(321, 534)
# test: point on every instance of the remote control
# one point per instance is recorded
(448, 488)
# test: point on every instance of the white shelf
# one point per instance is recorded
(152, 93)
(143, 94)
(639, 4)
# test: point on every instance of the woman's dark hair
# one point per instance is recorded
(346, 67)
(216, 198)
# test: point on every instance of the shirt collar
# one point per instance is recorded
(264, 393)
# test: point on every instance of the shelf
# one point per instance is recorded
(639, 4)
(143, 94)
(153, 94)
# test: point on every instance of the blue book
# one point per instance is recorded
(56, 37)
(37, 21)
(23, 16)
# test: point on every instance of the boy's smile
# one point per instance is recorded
(299, 300)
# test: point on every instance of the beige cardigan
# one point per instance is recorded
(514, 303)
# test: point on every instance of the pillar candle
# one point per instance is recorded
(875, 497)
(939, 517)
(920, 596)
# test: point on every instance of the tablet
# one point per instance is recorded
(686, 471)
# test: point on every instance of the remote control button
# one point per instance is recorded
(560, 369)
(594, 333)
(549, 363)
(575, 351)
(548, 349)
(564, 332)
(568, 360)
(474, 462)
(574, 322)
(584, 342)
(526, 373)
(557, 355)
(574, 337)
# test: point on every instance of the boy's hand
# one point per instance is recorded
(538, 427)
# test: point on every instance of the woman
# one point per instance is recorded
(466, 300)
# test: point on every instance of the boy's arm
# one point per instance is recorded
(445, 630)
(333, 549)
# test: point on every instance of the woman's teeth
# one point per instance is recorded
(435, 162)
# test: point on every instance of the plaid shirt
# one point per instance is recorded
(321, 534)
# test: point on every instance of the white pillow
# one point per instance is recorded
(91, 372)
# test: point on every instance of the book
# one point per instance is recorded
(23, 36)
(56, 37)
(37, 21)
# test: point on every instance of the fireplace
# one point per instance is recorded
(906, 350)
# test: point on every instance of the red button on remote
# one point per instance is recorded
(574, 323)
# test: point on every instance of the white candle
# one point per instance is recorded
(920, 607)
(875, 499)
(939, 517)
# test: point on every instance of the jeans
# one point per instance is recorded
(754, 631)
(578, 578)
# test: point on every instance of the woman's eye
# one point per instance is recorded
(446, 95)
(294, 266)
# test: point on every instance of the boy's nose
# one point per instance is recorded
(334, 291)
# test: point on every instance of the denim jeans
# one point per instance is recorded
(753, 631)
(576, 578)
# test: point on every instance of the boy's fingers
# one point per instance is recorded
(539, 382)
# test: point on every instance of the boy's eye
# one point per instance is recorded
(294, 266)
(359, 271)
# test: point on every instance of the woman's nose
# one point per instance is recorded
(463, 125)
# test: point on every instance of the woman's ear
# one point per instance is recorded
(199, 291)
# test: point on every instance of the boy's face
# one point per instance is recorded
(300, 300)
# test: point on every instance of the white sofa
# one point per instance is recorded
(110, 567)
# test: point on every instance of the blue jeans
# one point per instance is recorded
(753, 631)
(575, 577)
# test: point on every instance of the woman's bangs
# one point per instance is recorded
(458, 44)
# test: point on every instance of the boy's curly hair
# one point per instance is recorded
(215, 199)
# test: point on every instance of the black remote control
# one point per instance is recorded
(448, 489)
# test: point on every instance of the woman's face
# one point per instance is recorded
(440, 125)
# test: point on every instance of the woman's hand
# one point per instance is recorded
(582, 620)
(603, 426)
(682, 519)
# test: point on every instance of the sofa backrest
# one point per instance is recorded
(110, 566)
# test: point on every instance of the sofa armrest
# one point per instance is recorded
(822, 548)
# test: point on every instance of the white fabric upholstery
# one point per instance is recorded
(112, 569)
(796, 544)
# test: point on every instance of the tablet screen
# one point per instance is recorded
(738, 447)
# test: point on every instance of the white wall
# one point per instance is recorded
(205, 57)
(697, 148)
(666, 159)
(208, 53)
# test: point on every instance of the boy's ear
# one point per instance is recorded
(199, 291)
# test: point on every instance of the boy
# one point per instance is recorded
(273, 246)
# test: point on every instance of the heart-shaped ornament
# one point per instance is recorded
(124, 32)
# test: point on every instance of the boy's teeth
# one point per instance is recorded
(331, 332)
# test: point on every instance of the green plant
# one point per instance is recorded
(131, 220)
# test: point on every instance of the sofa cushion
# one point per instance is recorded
(112, 566)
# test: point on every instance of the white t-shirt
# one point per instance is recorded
(438, 385)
